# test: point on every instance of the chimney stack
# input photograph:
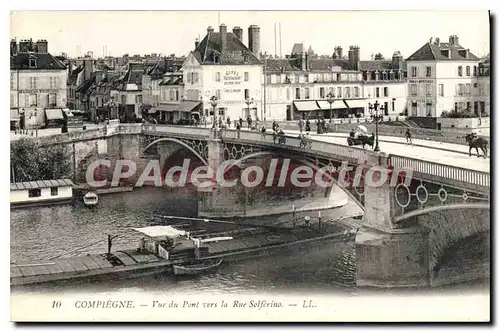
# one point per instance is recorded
(223, 36)
(338, 52)
(397, 61)
(42, 46)
(196, 43)
(453, 40)
(24, 46)
(238, 32)
(254, 39)
(354, 57)
(437, 41)
(210, 30)
(13, 47)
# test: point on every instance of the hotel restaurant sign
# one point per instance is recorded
(420, 81)
(232, 77)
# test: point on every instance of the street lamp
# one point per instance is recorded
(249, 101)
(213, 102)
(375, 107)
(331, 99)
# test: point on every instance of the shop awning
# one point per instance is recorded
(188, 106)
(54, 114)
(356, 103)
(168, 108)
(306, 105)
(324, 105)
(14, 115)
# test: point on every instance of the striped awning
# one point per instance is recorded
(356, 103)
(325, 105)
(168, 108)
(306, 105)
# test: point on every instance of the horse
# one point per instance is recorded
(477, 142)
(362, 140)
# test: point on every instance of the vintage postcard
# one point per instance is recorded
(250, 166)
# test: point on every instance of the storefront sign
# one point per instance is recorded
(420, 81)
(232, 77)
(232, 90)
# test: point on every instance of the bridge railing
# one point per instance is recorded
(440, 170)
(341, 151)
(432, 169)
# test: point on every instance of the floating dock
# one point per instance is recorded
(132, 263)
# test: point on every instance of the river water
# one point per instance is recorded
(44, 232)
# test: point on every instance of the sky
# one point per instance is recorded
(168, 32)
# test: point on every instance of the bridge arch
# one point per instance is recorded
(437, 208)
(303, 161)
(178, 141)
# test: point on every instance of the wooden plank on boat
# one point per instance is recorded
(215, 247)
(40, 269)
(27, 271)
(15, 272)
(101, 261)
(251, 242)
(89, 262)
(54, 268)
(64, 265)
(77, 264)
(125, 258)
(140, 258)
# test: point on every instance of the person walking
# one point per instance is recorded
(249, 121)
(408, 137)
(308, 125)
(301, 125)
(238, 130)
(263, 131)
(228, 122)
(241, 122)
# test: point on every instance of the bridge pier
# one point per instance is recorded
(386, 254)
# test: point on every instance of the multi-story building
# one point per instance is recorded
(442, 77)
(302, 84)
(222, 66)
(482, 104)
(37, 84)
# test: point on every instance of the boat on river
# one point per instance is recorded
(197, 267)
(90, 199)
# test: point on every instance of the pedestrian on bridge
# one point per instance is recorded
(241, 122)
(238, 130)
(308, 125)
(249, 121)
(408, 137)
(263, 131)
(301, 125)
(228, 122)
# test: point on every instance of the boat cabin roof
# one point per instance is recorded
(40, 184)
(157, 232)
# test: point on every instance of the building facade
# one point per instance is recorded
(442, 77)
(38, 90)
(221, 66)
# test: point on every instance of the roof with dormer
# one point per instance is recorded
(44, 61)
(431, 51)
(235, 53)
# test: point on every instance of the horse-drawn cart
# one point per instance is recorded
(361, 140)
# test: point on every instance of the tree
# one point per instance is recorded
(379, 56)
(31, 162)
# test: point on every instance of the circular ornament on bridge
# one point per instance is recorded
(442, 195)
(357, 189)
(465, 196)
(419, 188)
(225, 153)
(234, 152)
(331, 168)
(397, 198)
(200, 147)
(242, 151)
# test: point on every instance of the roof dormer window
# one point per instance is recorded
(32, 62)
